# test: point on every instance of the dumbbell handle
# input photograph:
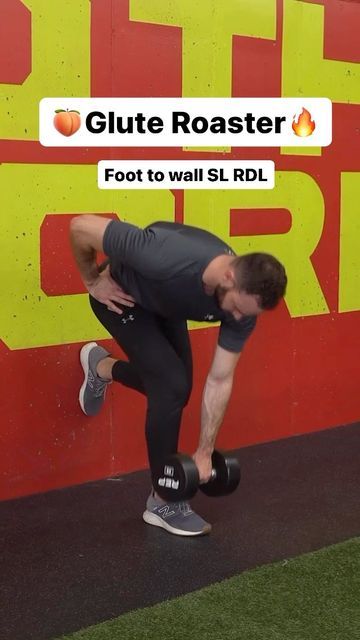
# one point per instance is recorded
(212, 475)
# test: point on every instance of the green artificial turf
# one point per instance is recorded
(312, 597)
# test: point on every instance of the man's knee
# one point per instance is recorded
(176, 389)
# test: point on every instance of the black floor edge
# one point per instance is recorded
(75, 557)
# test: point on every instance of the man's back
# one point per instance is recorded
(162, 267)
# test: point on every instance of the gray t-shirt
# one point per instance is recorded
(162, 265)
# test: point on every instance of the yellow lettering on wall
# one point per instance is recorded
(59, 33)
(305, 71)
(298, 193)
(28, 317)
(349, 268)
(207, 30)
(207, 36)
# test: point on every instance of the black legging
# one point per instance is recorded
(160, 366)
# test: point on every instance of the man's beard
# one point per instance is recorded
(220, 293)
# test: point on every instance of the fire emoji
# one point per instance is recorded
(304, 126)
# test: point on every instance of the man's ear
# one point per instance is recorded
(228, 280)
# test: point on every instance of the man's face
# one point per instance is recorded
(237, 303)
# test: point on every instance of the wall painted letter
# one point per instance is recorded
(57, 67)
(28, 317)
(207, 38)
(298, 193)
(305, 71)
(349, 270)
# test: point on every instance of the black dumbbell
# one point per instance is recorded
(225, 475)
(178, 477)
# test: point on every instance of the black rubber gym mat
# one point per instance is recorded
(75, 557)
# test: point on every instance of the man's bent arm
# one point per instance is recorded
(216, 396)
(86, 236)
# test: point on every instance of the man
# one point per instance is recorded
(156, 279)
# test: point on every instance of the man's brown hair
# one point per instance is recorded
(262, 275)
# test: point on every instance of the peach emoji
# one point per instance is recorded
(67, 122)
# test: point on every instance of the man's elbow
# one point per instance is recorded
(88, 230)
(80, 223)
(220, 379)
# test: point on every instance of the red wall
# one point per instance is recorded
(297, 374)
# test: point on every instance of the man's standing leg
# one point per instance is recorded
(160, 366)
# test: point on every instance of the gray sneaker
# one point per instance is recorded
(93, 389)
(175, 517)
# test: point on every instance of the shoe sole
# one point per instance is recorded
(156, 521)
(84, 360)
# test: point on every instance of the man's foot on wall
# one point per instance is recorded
(93, 390)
